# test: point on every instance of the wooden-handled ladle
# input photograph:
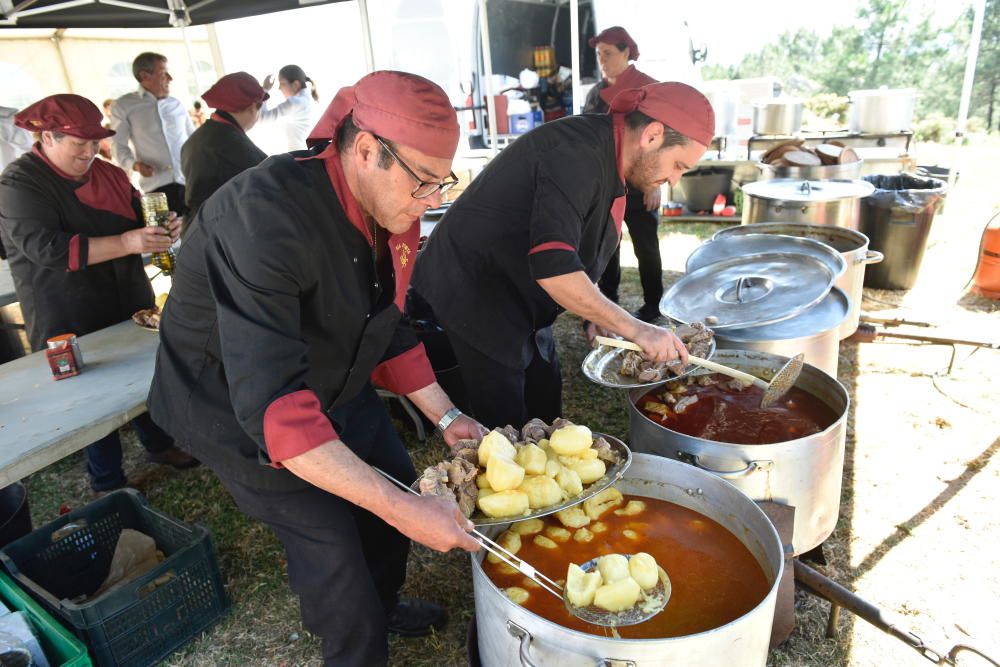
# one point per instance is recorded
(779, 385)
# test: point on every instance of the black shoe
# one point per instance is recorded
(416, 618)
(647, 314)
(172, 456)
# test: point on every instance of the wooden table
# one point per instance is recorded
(43, 420)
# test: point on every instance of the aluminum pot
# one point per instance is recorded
(849, 171)
(831, 202)
(804, 473)
(512, 636)
(815, 333)
(777, 117)
(852, 245)
(881, 111)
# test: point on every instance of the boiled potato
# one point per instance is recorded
(494, 442)
(558, 533)
(510, 541)
(543, 443)
(573, 517)
(598, 527)
(569, 481)
(545, 542)
(485, 492)
(516, 594)
(532, 458)
(528, 526)
(581, 586)
(643, 568)
(482, 482)
(552, 468)
(617, 596)
(569, 461)
(631, 534)
(587, 454)
(571, 440)
(613, 567)
(504, 568)
(503, 504)
(590, 471)
(529, 583)
(551, 455)
(542, 491)
(583, 535)
(503, 474)
(603, 502)
(632, 508)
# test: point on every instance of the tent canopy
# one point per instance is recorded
(136, 13)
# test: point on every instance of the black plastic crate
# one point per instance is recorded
(137, 623)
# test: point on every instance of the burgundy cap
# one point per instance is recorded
(398, 106)
(616, 35)
(676, 104)
(66, 113)
(235, 92)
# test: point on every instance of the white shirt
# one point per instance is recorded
(13, 140)
(295, 114)
(156, 129)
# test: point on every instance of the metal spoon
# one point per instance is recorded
(594, 615)
(779, 385)
(649, 605)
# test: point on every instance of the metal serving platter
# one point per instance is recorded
(601, 365)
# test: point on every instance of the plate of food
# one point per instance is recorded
(619, 368)
(147, 318)
(512, 475)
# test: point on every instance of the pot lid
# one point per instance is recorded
(825, 316)
(749, 291)
(797, 190)
(841, 239)
(726, 247)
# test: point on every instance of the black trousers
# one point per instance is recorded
(175, 198)
(642, 227)
(498, 395)
(345, 564)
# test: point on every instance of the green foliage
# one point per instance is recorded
(935, 127)
(829, 105)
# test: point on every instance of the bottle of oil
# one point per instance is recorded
(155, 212)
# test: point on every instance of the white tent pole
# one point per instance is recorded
(979, 7)
(366, 35)
(56, 42)
(491, 105)
(194, 65)
(574, 42)
(213, 45)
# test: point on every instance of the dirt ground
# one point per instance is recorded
(918, 530)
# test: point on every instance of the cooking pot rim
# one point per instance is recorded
(861, 238)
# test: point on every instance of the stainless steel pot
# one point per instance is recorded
(832, 202)
(849, 171)
(852, 245)
(804, 473)
(815, 333)
(512, 636)
(881, 111)
(778, 117)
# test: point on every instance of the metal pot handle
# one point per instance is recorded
(751, 467)
(871, 257)
(524, 637)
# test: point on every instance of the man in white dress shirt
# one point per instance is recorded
(151, 127)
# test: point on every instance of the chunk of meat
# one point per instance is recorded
(557, 424)
(534, 430)
(735, 384)
(685, 403)
(147, 317)
(604, 450)
(697, 338)
(468, 454)
(459, 471)
(466, 495)
(510, 433)
(434, 482)
(706, 380)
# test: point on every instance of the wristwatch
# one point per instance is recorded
(447, 418)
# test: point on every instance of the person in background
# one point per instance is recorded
(73, 227)
(197, 115)
(615, 49)
(105, 150)
(295, 113)
(13, 143)
(156, 125)
(221, 149)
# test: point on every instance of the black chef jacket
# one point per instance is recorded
(540, 209)
(45, 230)
(217, 151)
(276, 301)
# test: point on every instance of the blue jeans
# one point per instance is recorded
(104, 457)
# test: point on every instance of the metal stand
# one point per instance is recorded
(409, 409)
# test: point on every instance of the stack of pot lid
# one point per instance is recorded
(800, 191)
(746, 245)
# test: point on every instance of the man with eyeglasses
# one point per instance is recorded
(534, 232)
(285, 308)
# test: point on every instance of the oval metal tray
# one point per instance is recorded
(601, 365)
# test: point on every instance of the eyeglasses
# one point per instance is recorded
(424, 188)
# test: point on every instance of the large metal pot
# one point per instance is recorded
(804, 473)
(512, 636)
(881, 111)
(815, 334)
(852, 245)
(777, 117)
(832, 202)
(848, 171)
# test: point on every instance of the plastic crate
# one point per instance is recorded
(137, 623)
(60, 646)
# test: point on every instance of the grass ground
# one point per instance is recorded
(918, 530)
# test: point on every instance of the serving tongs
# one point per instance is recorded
(654, 602)
(779, 385)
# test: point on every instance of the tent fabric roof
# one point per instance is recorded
(135, 13)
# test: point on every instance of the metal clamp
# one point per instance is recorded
(524, 637)
(751, 467)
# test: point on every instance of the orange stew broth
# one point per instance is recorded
(727, 415)
(715, 578)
